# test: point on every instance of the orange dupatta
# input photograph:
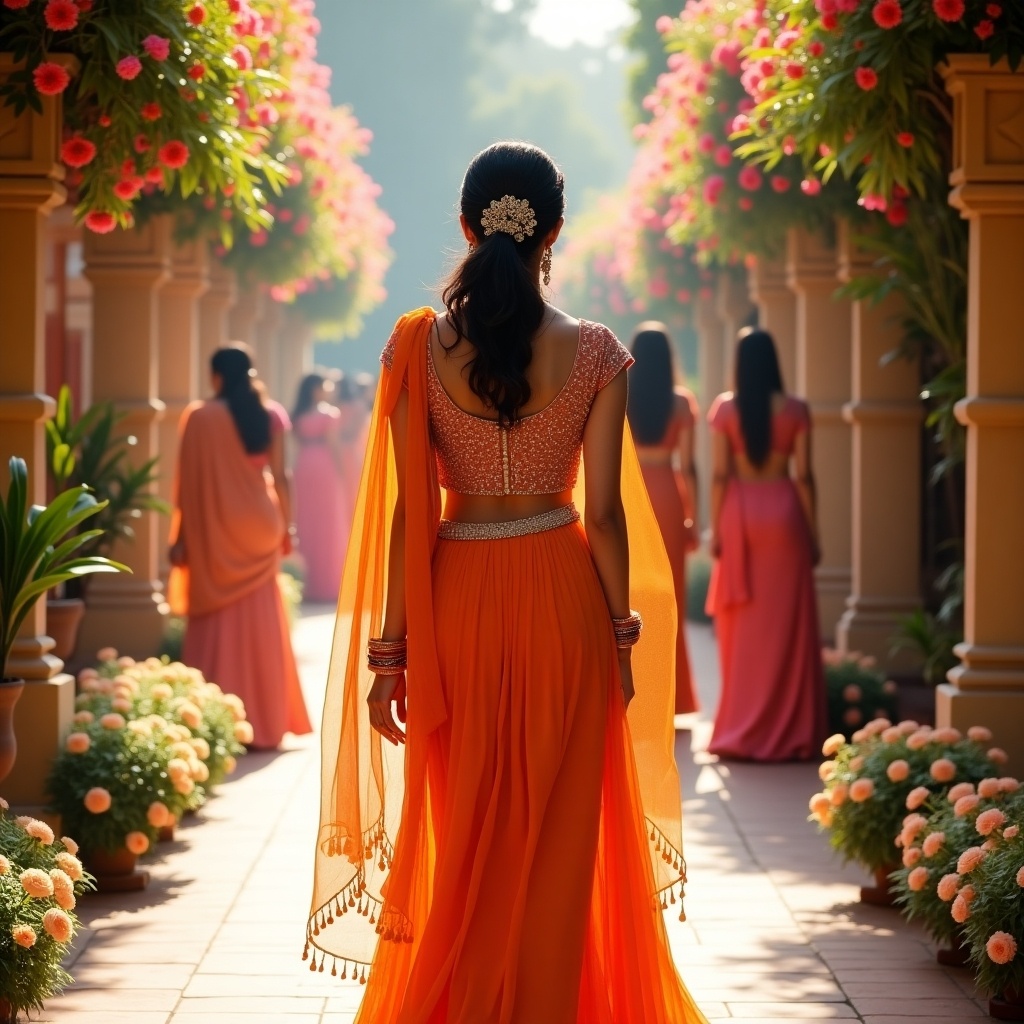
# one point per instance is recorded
(362, 890)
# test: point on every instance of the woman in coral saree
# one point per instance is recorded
(491, 862)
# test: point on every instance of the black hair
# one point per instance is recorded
(651, 379)
(757, 378)
(492, 297)
(244, 396)
(308, 387)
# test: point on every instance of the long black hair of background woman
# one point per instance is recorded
(757, 378)
(305, 398)
(651, 383)
(243, 394)
(492, 297)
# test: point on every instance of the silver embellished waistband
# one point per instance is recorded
(449, 529)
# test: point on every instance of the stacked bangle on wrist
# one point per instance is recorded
(627, 630)
(386, 657)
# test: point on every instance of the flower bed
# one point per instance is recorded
(857, 691)
(41, 879)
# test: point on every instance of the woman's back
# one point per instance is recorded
(790, 418)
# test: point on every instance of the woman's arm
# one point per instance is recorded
(604, 516)
(721, 471)
(804, 479)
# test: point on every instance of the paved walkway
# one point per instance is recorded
(774, 930)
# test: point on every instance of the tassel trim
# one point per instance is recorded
(666, 895)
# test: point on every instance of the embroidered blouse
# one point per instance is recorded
(792, 419)
(540, 454)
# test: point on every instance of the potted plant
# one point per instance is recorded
(40, 548)
(40, 882)
(868, 782)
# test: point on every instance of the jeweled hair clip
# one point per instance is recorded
(511, 216)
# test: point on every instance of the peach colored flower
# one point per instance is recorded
(87, 673)
(5, 865)
(861, 790)
(98, 800)
(137, 842)
(933, 843)
(856, 763)
(917, 879)
(947, 735)
(83, 717)
(877, 725)
(942, 770)
(190, 715)
(920, 739)
(41, 831)
(898, 771)
(980, 734)
(907, 726)
(990, 844)
(829, 748)
(913, 823)
(911, 855)
(859, 736)
(826, 770)
(23, 819)
(70, 845)
(199, 771)
(77, 742)
(112, 721)
(234, 704)
(988, 821)
(178, 768)
(4, 805)
(58, 925)
(1001, 947)
(105, 654)
(230, 764)
(891, 735)
(70, 865)
(961, 910)
(970, 859)
(1020, 876)
(63, 888)
(122, 705)
(965, 805)
(36, 883)
(24, 935)
(948, 886)
(201, 747)
(158, 814)
(161, 691)
(838, 794)
(243, 732)
(183, 785)
(917, 796)
(140, 727)
(1008, 784)
(997, 755)
(968, 893)
(959, 790)
(183, 750)
(1011, 831)
(988, 788)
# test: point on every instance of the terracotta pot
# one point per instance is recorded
(879, 894)
(1008, 1006)
(8, 1015)
(63, 617)
(165, 834)
(955, 956)
(10, 691)
(115, 870)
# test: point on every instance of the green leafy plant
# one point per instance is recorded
(923, 633)
(40, 882)
(41, 548)
(857, 691)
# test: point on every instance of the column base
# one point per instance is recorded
(41, 719)
(1001, 710)
(129, 615)
(833, 588)
(870, 625)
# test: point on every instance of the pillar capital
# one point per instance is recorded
(766, 278)
(810, 260)
(853, 261)
(138, 258)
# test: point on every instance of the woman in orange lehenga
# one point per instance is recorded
(525, 886)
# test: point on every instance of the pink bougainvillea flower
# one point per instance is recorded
(196, 15)
(917, 879)
(151, 112)
(988, 821)
(1001, 947)
(713, 186)
(750, 178)
(780, 184)
(948, 10)
(157, 47)
(77, 151)
(173, 154)
(23, 934)
(128, 67)
(866, 78)
(242, 56)
(60, 15)
(887, 13)
(861, 790)
(98, 799)
(706, 143)
(815, 48)
(970, 859)
(942, 770)
(829, 21)
(810, 187)
(723, 155)
(794, 70)
(50, 79)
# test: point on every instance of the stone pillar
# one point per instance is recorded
(987, 687)
(127, 270)
(214, 321)
(823, 370)
(30, 187)
(776, 312)
(268, 348)
(178, 356)
(885, 417)
(295, 354)
(245, 315)
(734, 309)
(710, 377)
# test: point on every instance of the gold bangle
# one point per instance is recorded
(627, 630)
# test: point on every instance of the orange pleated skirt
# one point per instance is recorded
(541, 906)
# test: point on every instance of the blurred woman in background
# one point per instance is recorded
(765, 542)
(230, 528)
(322, 514)
(662, 416)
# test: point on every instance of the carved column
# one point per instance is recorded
(987, 686)
(776, 312)
(885, 417)
(127, 270)
(178, 355)
(711, 377)
(823, 369)
(245, 315)
(30, 187)
(295, 355)
(735, 310)
(214, 321)
(268, 347)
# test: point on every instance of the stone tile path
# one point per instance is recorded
(774, 930)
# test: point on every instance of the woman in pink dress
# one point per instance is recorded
(322, 514)
(661, 418)
(765, 542)
(353, 427)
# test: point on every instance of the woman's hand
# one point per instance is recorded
(626, 673)
(692, 536)
(176, 554)
(385, 691)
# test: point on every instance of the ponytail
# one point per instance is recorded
(244, 396)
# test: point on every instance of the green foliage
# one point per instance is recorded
(30, 976)
(646, 43)
(923, 633)
(41, 548)
(857, 692)
(698, 577)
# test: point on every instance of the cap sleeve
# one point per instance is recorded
(721, 412)
(613, 356)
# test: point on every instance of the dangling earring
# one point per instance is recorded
(545, 265)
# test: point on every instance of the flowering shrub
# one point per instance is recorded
(40, 882)
(930, 886)
(857, 691)
(164, 96)
(871, 781)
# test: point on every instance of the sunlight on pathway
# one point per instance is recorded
(774, 932)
